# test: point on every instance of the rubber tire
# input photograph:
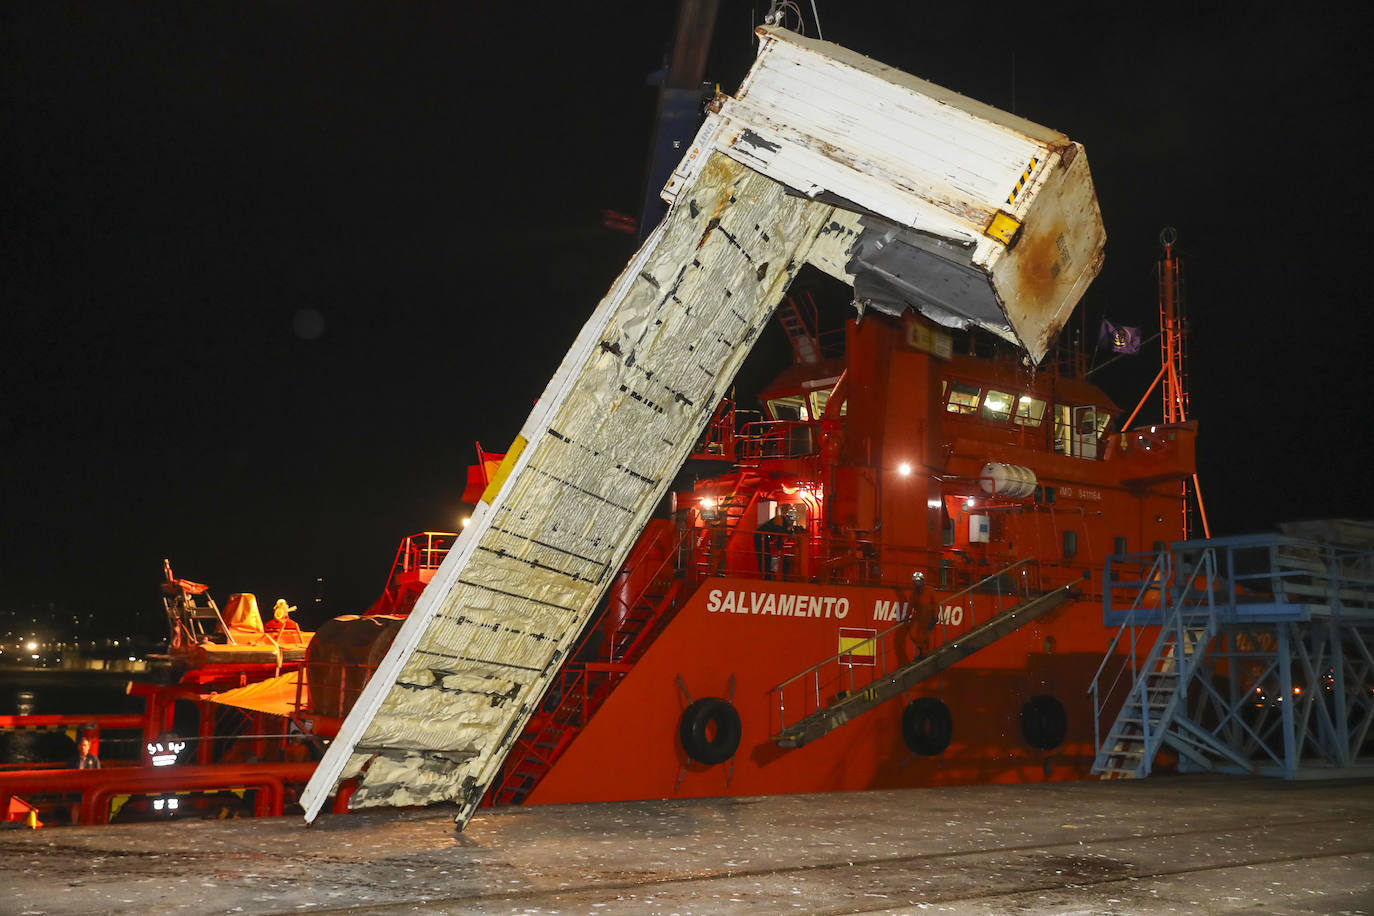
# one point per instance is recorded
(1044, 723)
(696, 720)
(927, 726)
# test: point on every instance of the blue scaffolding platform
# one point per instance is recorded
(1241, 655)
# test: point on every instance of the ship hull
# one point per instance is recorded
(737, 639)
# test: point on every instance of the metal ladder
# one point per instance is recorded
(1152, 712)
(806, 346)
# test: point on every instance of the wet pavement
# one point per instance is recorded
(1169, 845)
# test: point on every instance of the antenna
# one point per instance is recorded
(1173, 353)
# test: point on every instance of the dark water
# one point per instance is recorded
(51, 692)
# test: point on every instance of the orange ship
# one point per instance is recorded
(799, 618)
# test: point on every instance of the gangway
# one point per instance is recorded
(1245, 654)
(855, 699)
(822, 156)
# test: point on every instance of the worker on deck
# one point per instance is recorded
(769, 540)
(84, 759)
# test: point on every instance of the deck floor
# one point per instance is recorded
(1168, 845)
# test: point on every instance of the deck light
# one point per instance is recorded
(165, 749)
(904, 469)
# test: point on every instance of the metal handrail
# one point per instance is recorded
(991, 577)
(670, 557)
(1158, 579)
(776, 439)
(876, 641)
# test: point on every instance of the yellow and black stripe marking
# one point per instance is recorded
(70, 730)
(1025, 177)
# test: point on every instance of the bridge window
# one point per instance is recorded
(963, 398)
(1078, 429)
(997, 406)
(792, 407)
(1030, 411)
(819, 398)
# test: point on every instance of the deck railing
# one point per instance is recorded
(879, 653)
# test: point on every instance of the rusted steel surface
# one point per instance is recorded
(1009, 202)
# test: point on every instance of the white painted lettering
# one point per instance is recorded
(953, 616)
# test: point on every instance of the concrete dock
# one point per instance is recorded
(1168, 845)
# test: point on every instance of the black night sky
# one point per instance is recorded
(268, 269)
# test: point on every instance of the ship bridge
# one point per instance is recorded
(914, 195)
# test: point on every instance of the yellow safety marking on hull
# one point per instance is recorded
(504, 470)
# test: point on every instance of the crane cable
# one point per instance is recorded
(779, 10)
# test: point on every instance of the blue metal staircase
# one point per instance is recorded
(1247, 655)
(1152, 713)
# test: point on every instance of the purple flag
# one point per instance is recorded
(1119, 339)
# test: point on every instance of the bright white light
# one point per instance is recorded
(465, 521)
(968, 503)
(35, 655)
(172, 803)
(31, 646)
(904, 469)
(132, 659)
(707, 503)
(165, 755)
(932, 504)
(157, 804)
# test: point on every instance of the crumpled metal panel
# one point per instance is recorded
(602, 445)
(1011, 202)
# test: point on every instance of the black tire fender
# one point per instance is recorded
(710, 730)
(927, 726)
(1044, 723)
